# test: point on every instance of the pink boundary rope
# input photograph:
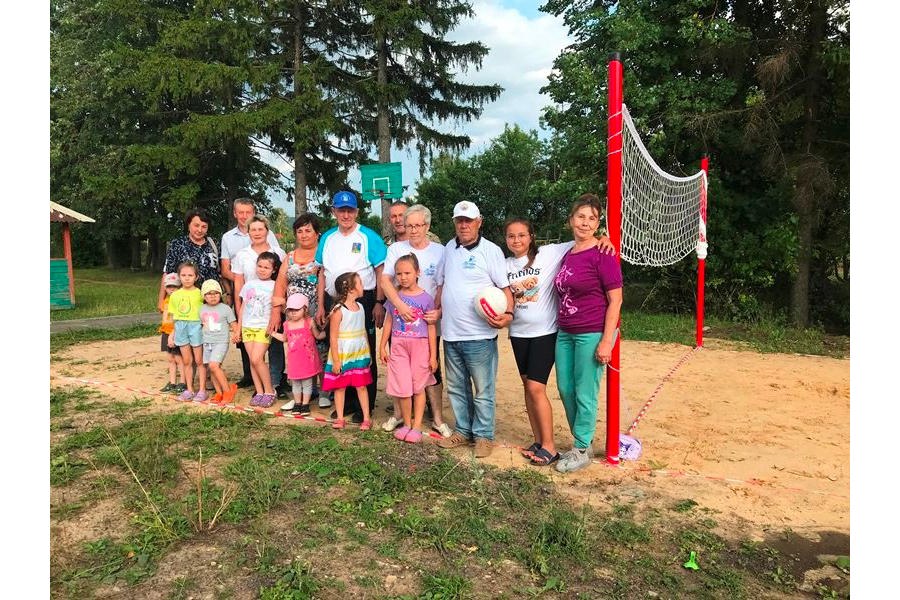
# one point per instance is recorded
(659, 387)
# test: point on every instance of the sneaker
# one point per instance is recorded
(575, 459)
(389, 409)
(200, 396)
(357, 418)
(169, 387)
(454, 441)
(302, 409)
(186, 396)
(245, 382)
(288, 405)
(179, 387)
(267, 400)
(483, 447)
(391, 424)
(281, 393)
(401, 432)
(443, 429)
(324, 402)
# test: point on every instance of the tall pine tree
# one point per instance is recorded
(409, 78)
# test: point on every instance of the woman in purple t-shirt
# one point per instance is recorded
(589, 284)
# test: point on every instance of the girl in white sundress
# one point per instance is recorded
(348, 363)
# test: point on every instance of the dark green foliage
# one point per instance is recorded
(125, 149)
(158, 106)
(763, 88)
(511, 178)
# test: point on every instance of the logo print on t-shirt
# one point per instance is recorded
(211, 320)
(356, 248)
(184, 307)
(525, 289)
(469, 263)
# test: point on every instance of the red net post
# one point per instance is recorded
(701, 251)
(614, 228)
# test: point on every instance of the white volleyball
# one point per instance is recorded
(490, 301)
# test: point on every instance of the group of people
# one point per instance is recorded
(315, 312)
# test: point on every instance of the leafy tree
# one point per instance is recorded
(763, 88)
(510, 178)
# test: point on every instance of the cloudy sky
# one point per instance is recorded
(523, 43)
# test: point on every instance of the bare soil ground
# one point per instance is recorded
(760, 440)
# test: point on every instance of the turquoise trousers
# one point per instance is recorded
(578, 377)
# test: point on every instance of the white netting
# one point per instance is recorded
(662, 215)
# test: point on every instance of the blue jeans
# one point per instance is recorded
(466, 363)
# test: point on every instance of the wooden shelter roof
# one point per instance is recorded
(59, 213)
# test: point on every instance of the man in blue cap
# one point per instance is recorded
(353, 247)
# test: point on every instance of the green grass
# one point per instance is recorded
(65, 339)
(762, 337)
(301, 496)
(104, 292)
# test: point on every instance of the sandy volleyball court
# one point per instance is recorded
(761, 440)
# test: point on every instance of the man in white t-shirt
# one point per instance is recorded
(233, 241)
(471, 263)
(353, 247)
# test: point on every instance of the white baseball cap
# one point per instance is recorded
(466, 209)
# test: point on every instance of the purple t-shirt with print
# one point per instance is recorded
(420, 304)
(582, 282)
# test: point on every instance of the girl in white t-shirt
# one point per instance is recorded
(253, 321)
(532, 333)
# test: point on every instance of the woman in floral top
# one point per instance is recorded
(196, 247)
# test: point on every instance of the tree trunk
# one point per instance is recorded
(805, 189)
(301, 205)
(118, 253)
(231, 193)
(384, 127)
(154, 256)
(135, 243)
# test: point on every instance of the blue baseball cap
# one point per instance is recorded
(344, 199)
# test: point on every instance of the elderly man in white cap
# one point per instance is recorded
(471, 263)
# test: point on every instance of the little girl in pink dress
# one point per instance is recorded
(300, 353)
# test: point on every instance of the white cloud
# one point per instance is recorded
(522, 51)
